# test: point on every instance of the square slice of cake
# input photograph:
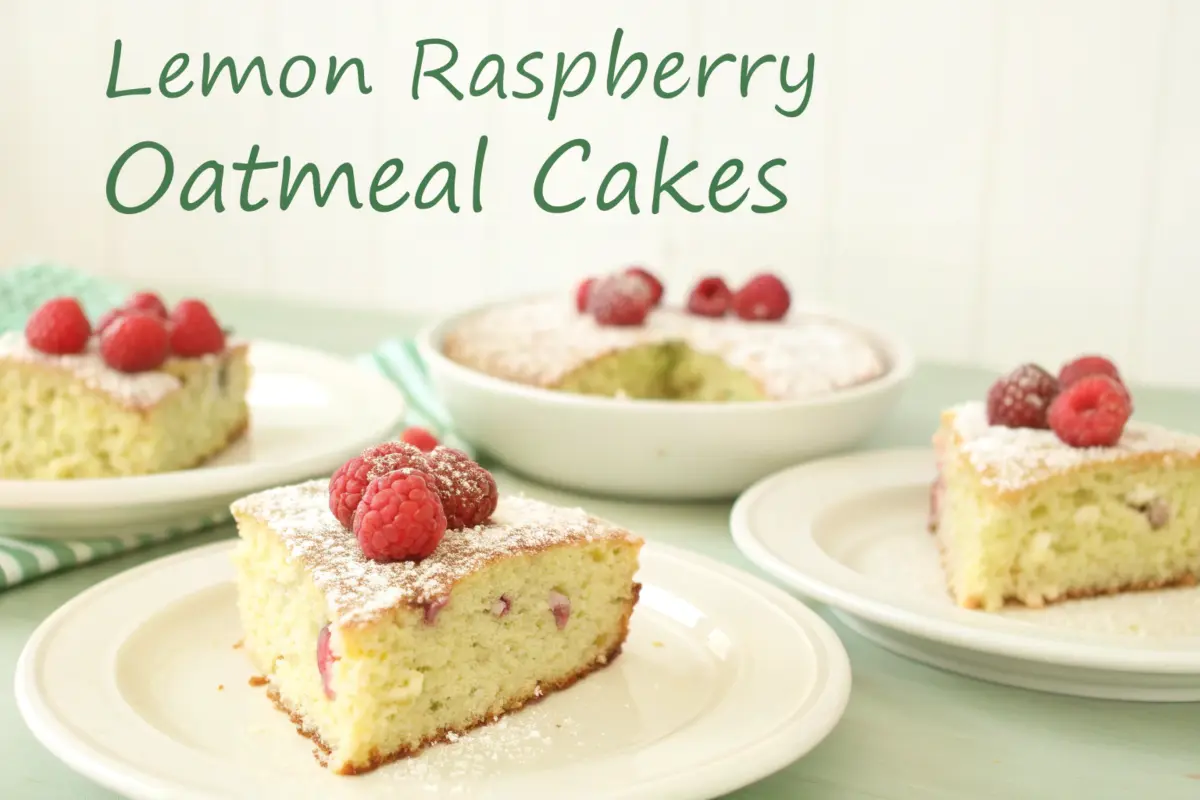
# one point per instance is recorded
(1022, 517)
(73, 416)
(373, 660)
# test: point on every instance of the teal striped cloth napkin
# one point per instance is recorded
(25, 288)
(399, 362)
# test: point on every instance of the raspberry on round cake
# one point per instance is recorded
(619, 339)
(624, 299)
(764, 297)
(406, 630)
(1062, 496)
(652, 283)
(582, 293)
(114, 399)
(710, 298)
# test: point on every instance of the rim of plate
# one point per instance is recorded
(826, 580)
(772, 751)
(210, 481)
(901, 364)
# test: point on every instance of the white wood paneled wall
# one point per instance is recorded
(997, 180)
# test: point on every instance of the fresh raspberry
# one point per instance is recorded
(108, 318)
(58, 327)
(1020, 398)
(384, 458)
(347, 485)
(1084, 366)
(764, 297)
(710, 298)
(468, 491)
(419, 438)
(147, 302)
(655, 285)
(1091, 412)
(581, 294)
(620, 300)
(136, 342)
(400, 517)
(346, 489)
(325, 659)
(194, 330)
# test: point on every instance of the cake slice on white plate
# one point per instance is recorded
(1049, 491)
(143, 391)
(380, 629)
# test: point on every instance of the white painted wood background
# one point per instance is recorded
(998, 180)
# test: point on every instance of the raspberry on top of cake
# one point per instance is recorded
(360, 588)
(144, 390)
(1048, 491)
(618, 338)
(126, 354)
(404, 601)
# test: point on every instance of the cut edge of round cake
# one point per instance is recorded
(540, 341)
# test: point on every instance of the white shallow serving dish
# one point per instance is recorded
(650, 449)
(851, 532)
(724, 680)
(309, 412)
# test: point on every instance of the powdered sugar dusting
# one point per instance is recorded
(359, 589)
(467, 489)
(539, 342)
(523, 741)
(134, 390)
(1011, 459)
(1162, 614)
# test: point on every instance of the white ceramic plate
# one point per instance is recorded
(1037, 675)
(724, 680)
(652, 449)
(309, 412)
(851, 532)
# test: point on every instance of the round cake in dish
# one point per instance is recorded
(673, 355)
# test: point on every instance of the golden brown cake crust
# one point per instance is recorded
(541, 692)
(1182, 581)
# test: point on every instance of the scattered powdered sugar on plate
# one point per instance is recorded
(134, 390)
(540, 341)
(1011, 459)
(1159, 614)
(511, 742)
(359, 589)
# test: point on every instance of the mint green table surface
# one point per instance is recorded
(910, 733)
